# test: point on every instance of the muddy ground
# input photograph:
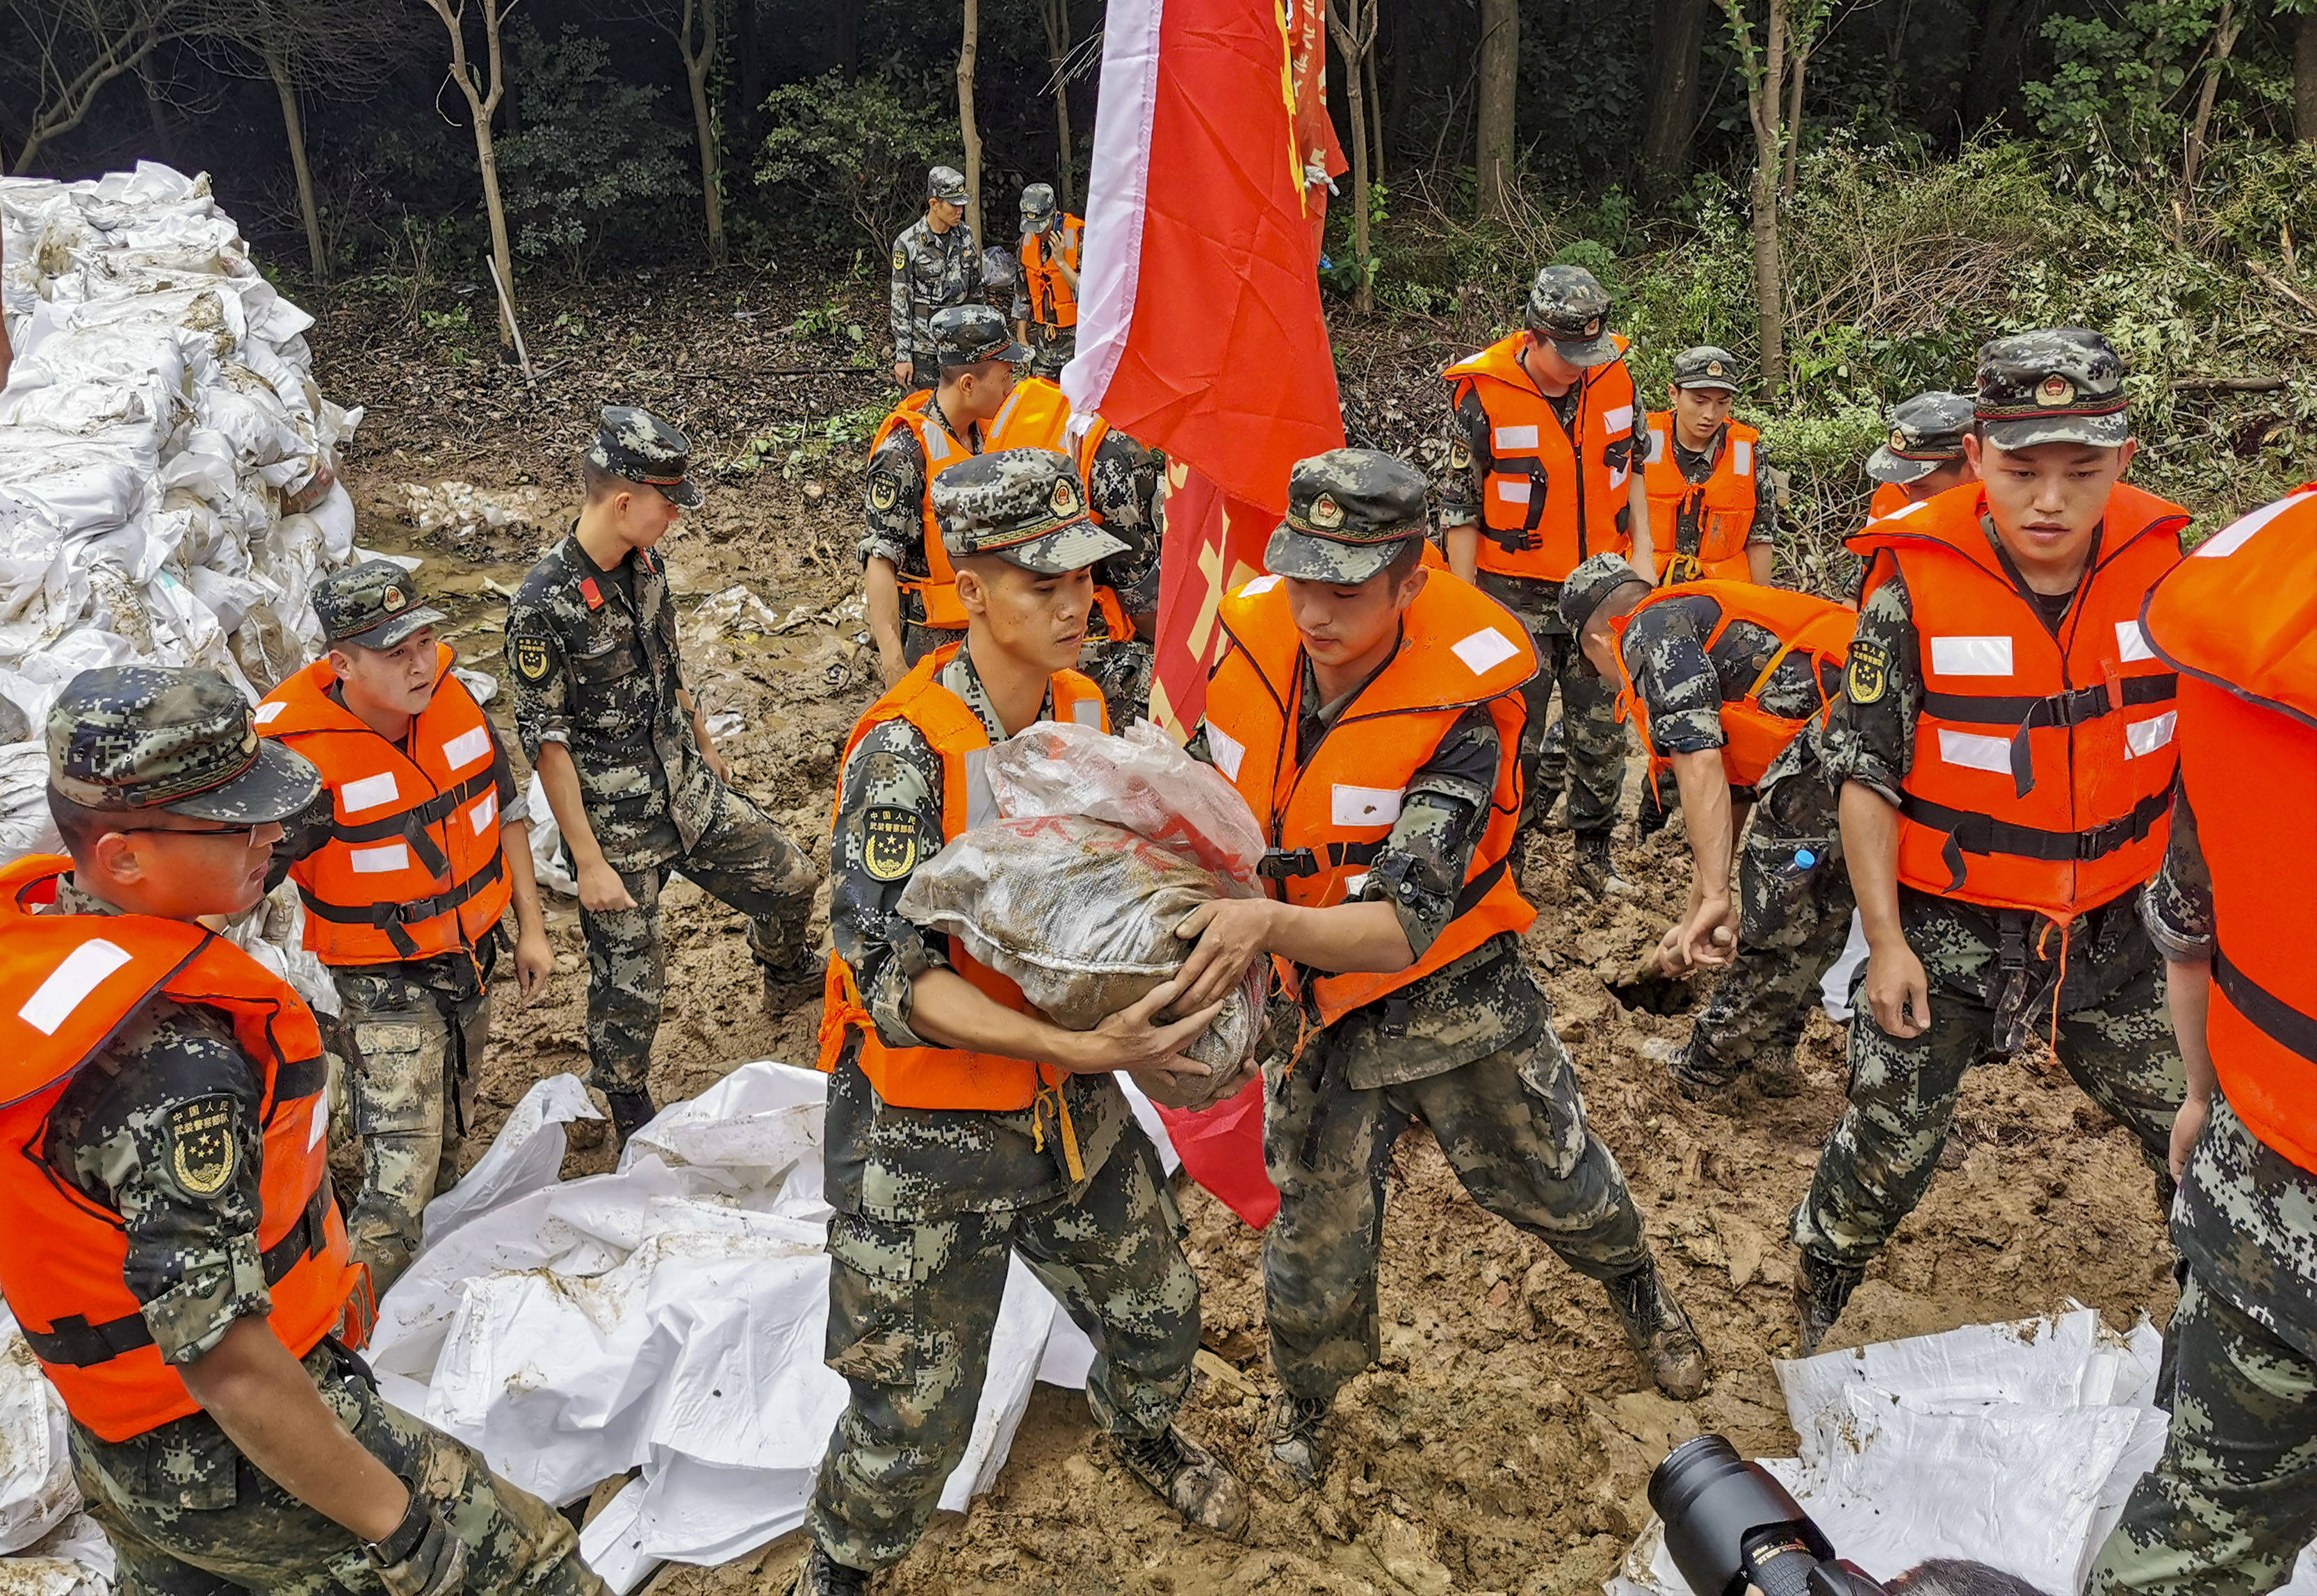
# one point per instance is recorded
(1503, 1444)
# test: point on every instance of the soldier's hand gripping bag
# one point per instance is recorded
(1103, 846)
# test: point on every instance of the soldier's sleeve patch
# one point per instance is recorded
(900, 258)
(1460, 455)
(888, 844)
(881, 492)
(202, 1152)
(530, 658)
(1868, 674)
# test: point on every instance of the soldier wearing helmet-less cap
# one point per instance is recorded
(1543, 468)
(1389, 794)
(935, 264)
(962, 1124)
(636, 783)
(2003, 750)
(1713, 499)
(1046, 288)
(1923, 456)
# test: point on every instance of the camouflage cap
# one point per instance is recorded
(1567, 305)
(636, 446)
(125, 737)
(947, 182)
(2057, 385)
(969, 335)
(1590, 586)
(1706, 367)
(1348, 513)
(375, 605)
(1039, 211)
(1024, 505)
(1926, 432)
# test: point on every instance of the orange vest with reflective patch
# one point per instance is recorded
(946, 1077)
(1326, 819)
(1036, 415)
(412, 867)
(67, 984)
(1054, 303)
(2043, 767)
(1549, 500)
(2237, 620)
(1890, 498)
(1723, 505)
(1817, 629)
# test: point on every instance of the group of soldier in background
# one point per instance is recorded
(2068, 778)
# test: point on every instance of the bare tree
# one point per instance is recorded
(1790, 28)
(969, 46)
(483, 99)
(2224, 43)
(1354, 40)
(1055, 15)
(74, 48)
(2304, 74)
(1499, 72)
(695, 33)
(1676, 53)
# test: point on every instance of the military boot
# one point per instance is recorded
(631, 1112)
(1596, 871)
(1659, 1333)
(1696, 1073)
(1188, 1479)
(1292, 1438)
(1821, 1287)
(791, 987)
(823, 1576)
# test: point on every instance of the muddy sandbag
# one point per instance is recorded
(1140, 781)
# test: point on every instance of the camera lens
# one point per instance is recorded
(1715, 1505)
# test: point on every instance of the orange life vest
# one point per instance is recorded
(946, 1077)
(1326, 819)
(2043, 767)
(1054, 303)
(1548, 501)
(412, 867)
(2237, 620)
(1036, 415)
(68, 983)
(1890, 498)
(1724, 505)
(1817, 629)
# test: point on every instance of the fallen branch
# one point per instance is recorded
(2228, 385)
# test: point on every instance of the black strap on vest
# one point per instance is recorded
(2269, 1014)
(411, 824)
(2079, 707)
(1970, 831)
(1525, 538)
(390, 918)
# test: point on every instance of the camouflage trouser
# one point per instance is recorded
(1050, 349)
(911, 1309)
(1880, 1160)
(1123, 671)
(1583, 747)
(199, 1520)
(413, 1056)
(2228, 1506)
(741, 858)
(1512, 1126)
(918, 641)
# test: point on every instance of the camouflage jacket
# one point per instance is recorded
(592, 658)
(911, 1165)
(1683, 684)
(1472, 1006)
(1697, 465)
(930, 270)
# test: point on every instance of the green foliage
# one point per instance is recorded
(798, 447)
(591, 167)
(2120, 76)
(846, 159)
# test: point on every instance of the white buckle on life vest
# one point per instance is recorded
(1972, 657)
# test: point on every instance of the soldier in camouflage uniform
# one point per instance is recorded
(1124, 479)
(1583, 750)
(1991, 977)
(164, 1127)
(1924, 454)
(1467, 1048)
(936, 263)
(930, 1200)
(637, 786)
(1796, 900)
(1047, 318)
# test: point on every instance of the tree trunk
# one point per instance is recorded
(1055, 15)
(1769, 295)
(1499, 69)
(1677, 49)
(697, 65)
(293, 128)
(2224, 40)
(483, 106)
(1351, 46)
(748, 73)
(1792, 135)
(969, 46)
(156, 112)
(1991, 84)
(1375, 96)
(2305, 79)
(848, 37)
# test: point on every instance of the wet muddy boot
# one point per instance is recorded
(1696, 1073)
(791, 987)
(631, 1112)
(1188, 1479)
(1291, 1439)
(1595, 869)
(820, 1576)
(1659, 1333)
(1778, 1074)
(1821, 1287)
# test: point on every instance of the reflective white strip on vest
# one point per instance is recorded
(1972, 657)
(1088, 712)
(1507, 440)
(486, 810)
(1228, 751)
(467, 747)
(938, 445)
(321, 1122)
(382, 860)
(980, 803)
(2132, 643)
(1620, 420)
(2239, 532)
(1657, 444)
(1261, 585)
(266, 712)
(1510, 491)
(1354, 885)
(83, 971)
(1363, 805)
(2146, 736)
(369, 793)
(1485, 650)
(1741, 456)
(1973, 751)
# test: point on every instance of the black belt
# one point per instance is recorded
(1515, 542)
(1968, 832)
(410, 825)
(2269, 1014)
(390, 918)
(74, 1343)
(2079, 707)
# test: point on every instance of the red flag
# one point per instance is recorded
(1315, 130)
